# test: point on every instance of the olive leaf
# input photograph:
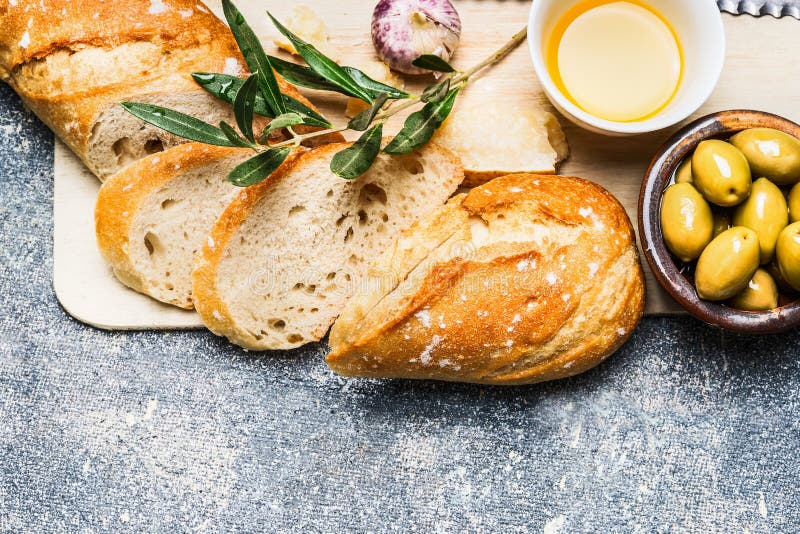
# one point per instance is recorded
(374, 87)
(355, 160)
(243, 106)
(421, 125)
(310, 117)
(234, 137)
(436, 92)
(306, 77)
(225, 87)
(279, 122)
(259, 167)
(432, 62)
(254, 56)
(362, 121)
(323, 65)
(178, 123)
(303, 76)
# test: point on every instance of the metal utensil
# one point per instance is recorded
(759, 8)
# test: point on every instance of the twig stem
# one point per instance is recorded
(401, 105)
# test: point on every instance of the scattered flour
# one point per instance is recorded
(424, 317)
(554, 525)
(425, 357)
(157, 7)
(26, 39)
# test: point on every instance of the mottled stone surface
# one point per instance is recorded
(685, 428)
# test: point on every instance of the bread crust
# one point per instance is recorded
(146, 49)
(553, 288)
(121, 198)
(208, 299)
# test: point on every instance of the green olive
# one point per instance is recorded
(684, 173)
(761, 294)
(727, 264)
(794, 204)
(722, 221)
(771, 153)
(787, 255)
(765, 213)
(721, 173)
(686, 221)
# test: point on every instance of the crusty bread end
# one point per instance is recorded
(525, 279)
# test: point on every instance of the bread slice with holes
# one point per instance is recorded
(288, 253)
(152, 217)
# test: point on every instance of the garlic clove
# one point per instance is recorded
(403, 30)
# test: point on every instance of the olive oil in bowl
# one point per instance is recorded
(618, 60)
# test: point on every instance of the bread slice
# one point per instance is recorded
(523, 138)
(288, 253)
(525, 279)
(72, 63)
(152, 217)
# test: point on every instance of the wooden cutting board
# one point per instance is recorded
(762, 72)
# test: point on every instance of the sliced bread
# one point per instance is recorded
(152, 217)
(72, 63)
(288, 253)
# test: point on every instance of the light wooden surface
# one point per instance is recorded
(762, 72)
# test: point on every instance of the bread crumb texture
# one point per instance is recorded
(525, 279)
(290, 251)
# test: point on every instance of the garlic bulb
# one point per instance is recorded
(403, 30)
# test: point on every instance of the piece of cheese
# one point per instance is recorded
(523, 138)
(307, 25)
(380, 72)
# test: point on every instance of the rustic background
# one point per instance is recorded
(686, 428)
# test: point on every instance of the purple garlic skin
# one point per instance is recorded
(403, 30)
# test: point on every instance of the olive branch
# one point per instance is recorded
(259, 94)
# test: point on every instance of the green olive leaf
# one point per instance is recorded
(258, 168)
(436, 92)
(279, 122)
(362, 121)
(243, 106)
(234, 137)
(310, 117)
(355, 160)
(254, 56)
(374, 87)
(421, 125)
(432, 62)
(178, 123)
(323, 65)
(303, 76)
(225, 87)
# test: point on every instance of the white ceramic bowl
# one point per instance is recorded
(698, 24)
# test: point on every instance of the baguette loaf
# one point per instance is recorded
(73, 62)
(525, 279)
(152, 217)
(287, 253)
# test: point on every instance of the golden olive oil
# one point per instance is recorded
(618, 60)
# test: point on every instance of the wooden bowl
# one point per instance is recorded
(659, 175)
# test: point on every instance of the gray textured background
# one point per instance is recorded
(686, 428)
